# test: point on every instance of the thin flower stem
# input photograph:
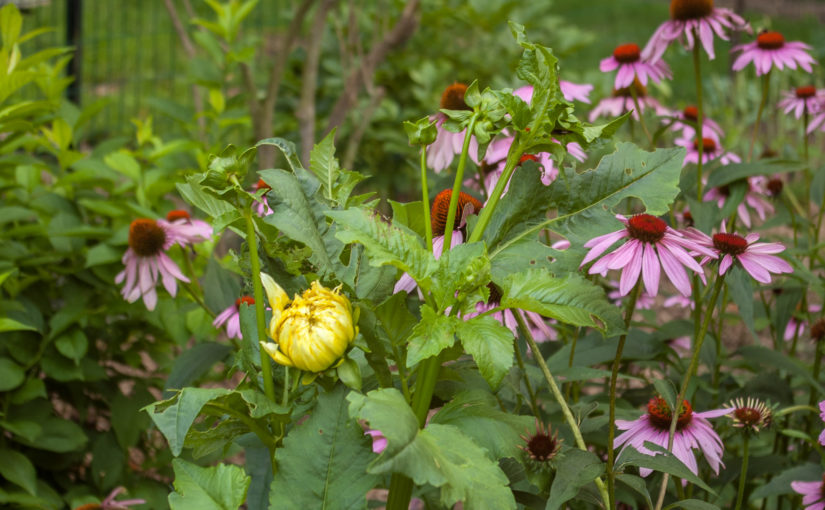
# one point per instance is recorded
(814, 397)
(425, 199)
(614, 376)
(694, 362)
(697, 73)
(487, 211)
(520, 361)
(285, 396)
(569, 389)
(765, 89)
(554, 388)
(740, 494)
(639, 113)
(459, 179)
(258, 290)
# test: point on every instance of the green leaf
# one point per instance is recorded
(478, 416)
(102, 254)
(287, 148)
(297, 214)
(637, 484)
(11, 22)
(385, 243)
(17, 469)
(221, 287)
(7, 324)
(73, 345)
(179, 412)
(195, 362)
(462, 270)
(322, 463)
(576, 469)
(195, 194)
(527, 252)
(781, 483)
(221, 487)
(572, 299)
(741, 290)
(12, 374)
(409, 214)
(58, 435)
(439, 455)
(324, 165)
(490, 344)
(692, 504)
(756, 355)
(522, 208)
(396, 319)
(128, 422)
(662, 461)
(124, 163)
(737, 171)
(434, 333)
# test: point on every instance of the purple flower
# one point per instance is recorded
(755, 258)
(802, 100)
(813, 494)
(770, 49)
(571, 91)
(262, 206)
(627, 59)
(754, 199)
(689, 19)
(711, 150)
(146, 260)
(231, 316)
(379, 442)
(447, 144)
(652, 246)
(693, 431)
(622, 101)
(822, 416)
(110, 504)
(687, 119)
(797, 327)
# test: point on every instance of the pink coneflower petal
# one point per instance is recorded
(650, 269)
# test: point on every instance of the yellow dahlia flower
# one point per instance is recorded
(314, 331)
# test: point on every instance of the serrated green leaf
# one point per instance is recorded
(324, 165)
(490, 344)
(323, 462)
(180, 412)
(461, 270)
(571, 299)
(221, 487)
(385, 243)
(287, 148)
(434, 333)
(523, 207)
(439, 455)
(575, 470)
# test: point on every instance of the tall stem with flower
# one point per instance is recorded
(697, 74)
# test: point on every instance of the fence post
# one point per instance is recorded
(74, 32)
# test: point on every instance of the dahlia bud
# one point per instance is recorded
(314, 331)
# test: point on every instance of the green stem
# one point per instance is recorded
(694, 362)
(258, 290)
(813, 399)
(614, 377)
(520, 361)
(554, 388)
(743, 476)
(700, 117)
(765, 88)
(425, 199)
(635, 96)
(459, 179)
(487, 211)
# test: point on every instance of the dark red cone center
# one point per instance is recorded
(453, 97)
(441, 207)
(683, 10)
(177, 214)
(244, 299)
(542, 447)
(146, 237)
(528, 157)
(627, 53)
(659, 414)
(708, 145)
(805, 92)
(748, 416)
(691, 113)
(770, 40)
(730, 244)
(641, 90)
(775, 186)
(646, 228)
(261, 184)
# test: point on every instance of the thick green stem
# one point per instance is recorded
(554, 388)
(700, 116)
(258, 290)
(487, 211)
(694, 362)
(459, 179)
(740, 494)
(765, 88)
(614, 377)
(425, 199)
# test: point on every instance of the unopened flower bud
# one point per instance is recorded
(818, 330)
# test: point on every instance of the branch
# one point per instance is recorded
(355, 138)
(309, 80)
(191, 52)
(398, 35)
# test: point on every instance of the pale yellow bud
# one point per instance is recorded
(277, 297)
(314, 332)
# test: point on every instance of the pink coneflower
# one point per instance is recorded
(447, 144)
(754, 199)
(686, 120)
(690, 19)
(652, 245)
(539, 329)
(802, 100)
(262, 206)
(693, 431)
(146, 261)
(231, 316)
(379, 442)
(797, 327)
(571, 91)
(755, 258)
(711, 150)
(621, 101)
(770, 49)
(187, 231)
(822, 417)
(467, 204)
(813, 493)
(627, 59)
(109, 502)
